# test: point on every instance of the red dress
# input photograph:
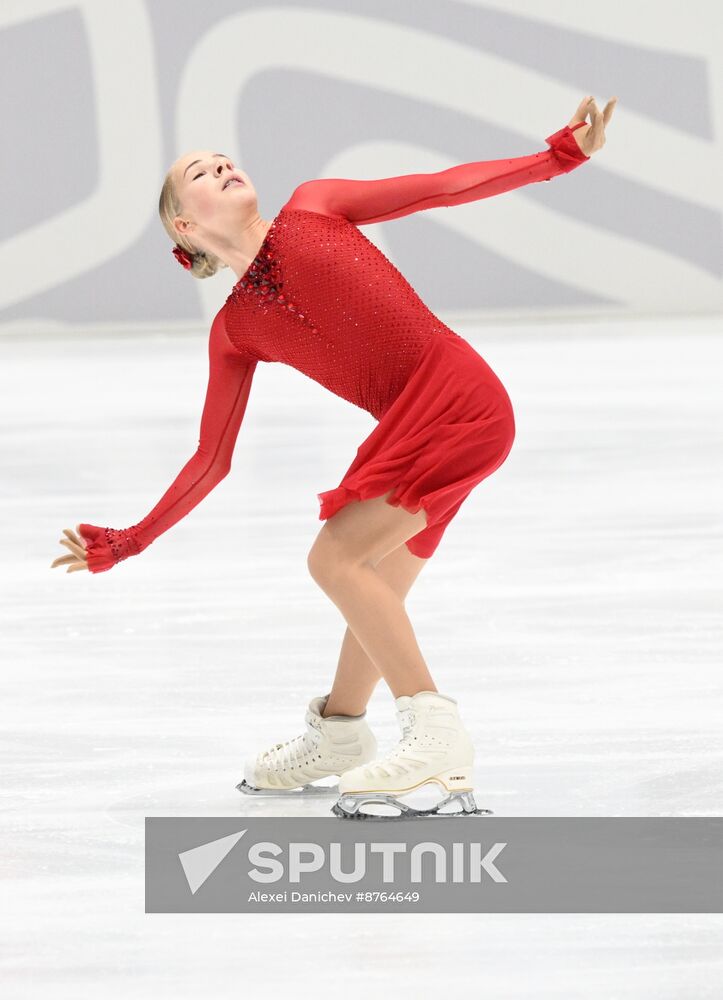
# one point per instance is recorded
(320, 297)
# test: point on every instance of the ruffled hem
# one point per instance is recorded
(565, 148)
(104, 547)
(450, 427)
(97, 551)
(332, 501)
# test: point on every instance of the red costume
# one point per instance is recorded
(319, 296)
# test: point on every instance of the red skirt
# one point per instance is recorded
(450, 427)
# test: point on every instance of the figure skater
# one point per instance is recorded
(314, 293)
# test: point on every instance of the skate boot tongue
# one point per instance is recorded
(431, 698)
(422, 697)
(317, 705)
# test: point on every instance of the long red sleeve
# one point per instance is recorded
(365, 202)
(229, 384)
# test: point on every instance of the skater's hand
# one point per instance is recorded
(591, 137)
(77, 559)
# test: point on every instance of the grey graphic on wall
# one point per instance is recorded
(101, 97)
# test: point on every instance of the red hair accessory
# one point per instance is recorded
(182, 256)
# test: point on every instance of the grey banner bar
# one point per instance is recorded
(434, 865)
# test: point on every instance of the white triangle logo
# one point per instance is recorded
(202, 861)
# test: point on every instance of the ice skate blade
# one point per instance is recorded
(350, 806)
(311, 790)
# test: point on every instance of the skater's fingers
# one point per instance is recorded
(77, 538)
(63, 560)
(76, 549)
(609, 108)
(597, 130)
(77, 559)
(76, 566)
(581, 111)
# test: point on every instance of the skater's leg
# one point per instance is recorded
(344, 560)
(357, 675)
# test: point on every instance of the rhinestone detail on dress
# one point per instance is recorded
(121, 542)
(263, 281)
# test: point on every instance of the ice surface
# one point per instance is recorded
(573, 609)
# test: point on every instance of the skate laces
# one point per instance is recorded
(407, 719)
(290, 753)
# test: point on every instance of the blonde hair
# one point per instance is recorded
(205, 263)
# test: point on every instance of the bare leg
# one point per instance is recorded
(344, 560)
(357, 675)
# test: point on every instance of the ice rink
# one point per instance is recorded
(573, 609)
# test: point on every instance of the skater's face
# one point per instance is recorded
(212, 205)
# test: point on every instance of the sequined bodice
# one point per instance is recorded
(320, 297)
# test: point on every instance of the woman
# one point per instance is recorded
(314, 293)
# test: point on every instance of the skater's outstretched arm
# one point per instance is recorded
(365, 202)
(229, 384)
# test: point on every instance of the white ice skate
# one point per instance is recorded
(308, 763)
(428, 773)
